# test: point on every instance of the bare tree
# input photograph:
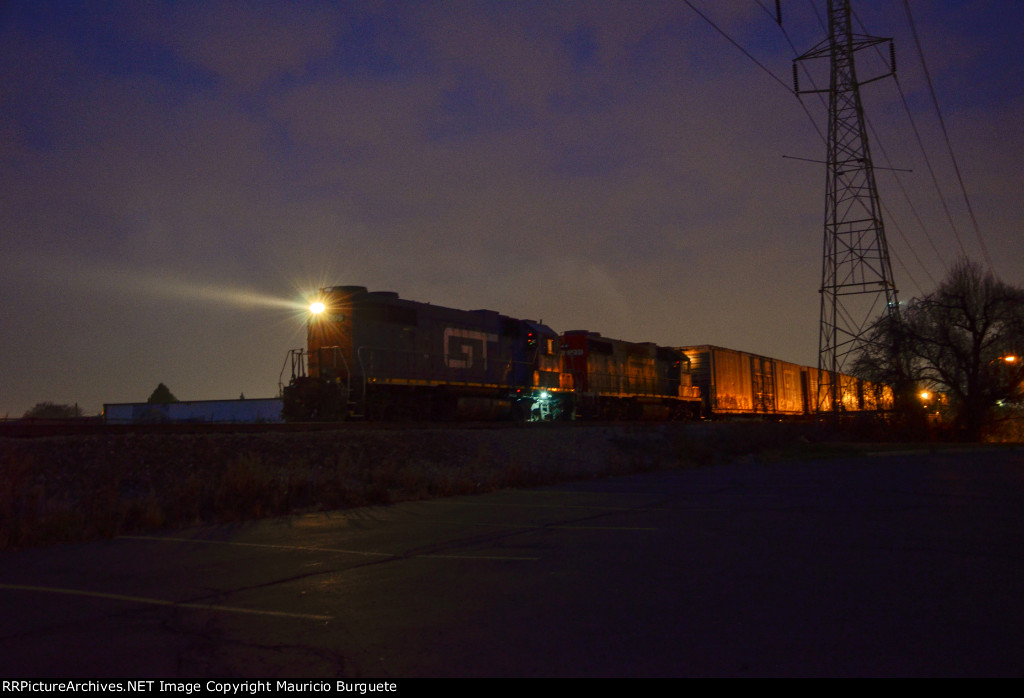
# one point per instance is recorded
(50, 410)
(887, 358)
(966, 339)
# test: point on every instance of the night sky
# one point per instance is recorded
(177, 178)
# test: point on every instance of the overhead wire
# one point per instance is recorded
(928, 164)
(945, 134)
(913, 251)
(759, 64)
(821, 20)
(934, 177)
(735, 43)
(807, 72)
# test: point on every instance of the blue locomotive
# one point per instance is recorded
(373, 355)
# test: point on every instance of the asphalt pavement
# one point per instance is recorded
(908, 564)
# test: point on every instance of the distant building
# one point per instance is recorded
(261, 410)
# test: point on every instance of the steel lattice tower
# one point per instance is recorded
(856, 278)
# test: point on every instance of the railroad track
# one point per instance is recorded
(38, 428)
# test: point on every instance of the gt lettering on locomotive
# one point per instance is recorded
(462, 347)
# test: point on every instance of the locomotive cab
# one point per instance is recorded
(546, 380)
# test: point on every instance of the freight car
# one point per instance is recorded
(614, 379)
(378, 356)
(855, 394)
(735, 383)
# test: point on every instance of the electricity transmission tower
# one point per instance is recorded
(856, 278)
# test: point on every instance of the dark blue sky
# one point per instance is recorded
(177, 176)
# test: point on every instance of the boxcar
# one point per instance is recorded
(738, 383)
(851, 392)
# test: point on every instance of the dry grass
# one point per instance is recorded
(86, 487)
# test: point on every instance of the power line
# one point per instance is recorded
(945, 134)
(903, 237)
(735, 43)
(758, 63)
(934, 178)
(807, 72)
(931, 172)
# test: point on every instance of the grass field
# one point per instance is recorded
(75, 488)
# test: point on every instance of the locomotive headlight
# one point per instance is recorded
(316, 308)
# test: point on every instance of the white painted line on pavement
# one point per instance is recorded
(606, 528)
(258, 545)
(161, 602)
(368, 553)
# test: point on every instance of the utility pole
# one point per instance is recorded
(856, 274)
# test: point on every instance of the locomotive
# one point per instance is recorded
(614, 379)
(374, 355)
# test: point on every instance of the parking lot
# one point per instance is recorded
(906, 564)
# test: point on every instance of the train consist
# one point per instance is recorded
(374, 355)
